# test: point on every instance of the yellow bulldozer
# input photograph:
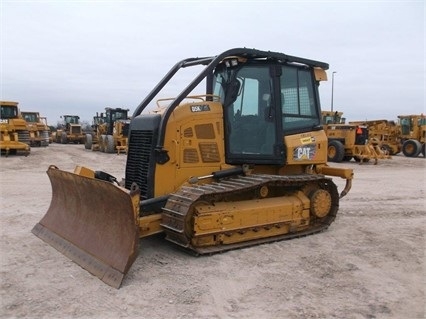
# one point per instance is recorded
(14, 131)
(111, 135)
(347, 141)
(412, 134)
(39, 130)
(243, 162)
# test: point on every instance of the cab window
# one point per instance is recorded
(298, 102)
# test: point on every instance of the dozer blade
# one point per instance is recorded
(93, 223)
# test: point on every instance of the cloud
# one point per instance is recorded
(79, 57)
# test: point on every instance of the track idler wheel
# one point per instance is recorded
(320, 203)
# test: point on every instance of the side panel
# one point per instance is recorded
(194, 141)
(306, 148)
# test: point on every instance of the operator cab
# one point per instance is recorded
(263, 102)
(9, 112)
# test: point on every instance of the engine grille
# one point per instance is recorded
(75, 129)
(139, 157)
(24, 137)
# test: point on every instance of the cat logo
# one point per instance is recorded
(305, 152)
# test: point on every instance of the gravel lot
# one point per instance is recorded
(369, 264)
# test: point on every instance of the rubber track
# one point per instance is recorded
(179, 205)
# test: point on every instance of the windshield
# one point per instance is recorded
(71, 119)
(9, 112)
(332, 118)
(119, 115)
(30, 117)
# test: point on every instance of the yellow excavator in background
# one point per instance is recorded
(242, 163)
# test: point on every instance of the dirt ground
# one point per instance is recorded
(369, 264)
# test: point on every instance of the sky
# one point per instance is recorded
(78, 57)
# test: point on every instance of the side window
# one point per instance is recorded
(298, 101)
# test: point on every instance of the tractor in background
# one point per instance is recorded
(385, 132)
(412, 134)
(92, 137)
(69, 131)
(347, 141)
(111, 135)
